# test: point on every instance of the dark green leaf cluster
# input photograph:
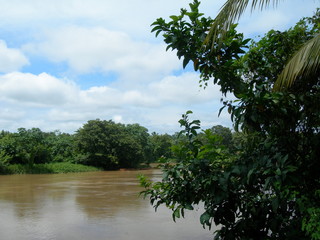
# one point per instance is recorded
(269, 188)
(185, 181)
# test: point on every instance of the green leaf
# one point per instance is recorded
(176, 214)
(205, 219)
(174, 18)
(188, 207)
(249, 175)
(275, 204)
(185, 62)
(221, 110)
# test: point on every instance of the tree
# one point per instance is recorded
(28, 146)
(271, 188)
(7, 146)
(161, 144)
(225, 134)
(141, 135)
(223, 137)
(108, 145)
(6, 150)
(304, 63)
(61, 146)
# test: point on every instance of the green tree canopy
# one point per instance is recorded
(110, 145)
(161, 144)
(142, 137)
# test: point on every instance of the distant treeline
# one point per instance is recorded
(99, 143)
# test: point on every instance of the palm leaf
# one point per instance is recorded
(230, 12)
(304, 63)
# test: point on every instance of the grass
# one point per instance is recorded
(62, 167)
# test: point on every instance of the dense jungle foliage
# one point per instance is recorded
(270, 187)
(98, 143)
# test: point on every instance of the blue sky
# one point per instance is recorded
(65, 62)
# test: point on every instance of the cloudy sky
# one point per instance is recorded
(65, 62)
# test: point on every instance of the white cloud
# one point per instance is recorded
(11, 114)
(38, 90)
(100, 97)
(140, 98)
(11, 59)
(88, 50)
(184, 89)
(65, 106)
(117, 118)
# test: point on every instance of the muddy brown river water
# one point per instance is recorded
(88, 206)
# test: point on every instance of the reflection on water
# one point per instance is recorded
(99, 205)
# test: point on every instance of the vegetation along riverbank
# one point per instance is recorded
(97, 145)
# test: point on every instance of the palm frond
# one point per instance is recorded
(230, 12)
(304, 63)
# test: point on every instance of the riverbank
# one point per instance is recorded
(60, 167)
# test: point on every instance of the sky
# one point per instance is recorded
(65, 62)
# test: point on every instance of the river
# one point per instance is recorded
(88, 206)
